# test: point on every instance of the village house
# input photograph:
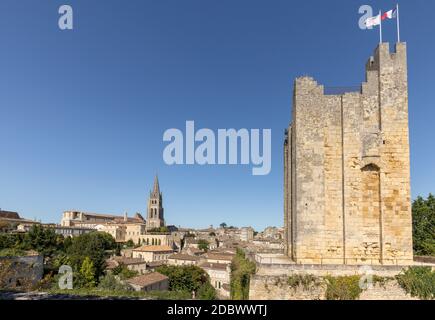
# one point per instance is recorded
(153, 281)
(156, 239)
(219, 257)
(180, 259)
(152, 253)
(134, 264)
(70, 231)
(219, 274)
(193, 251)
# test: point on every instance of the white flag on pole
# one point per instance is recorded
(373, 21)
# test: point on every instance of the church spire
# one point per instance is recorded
(156, 188)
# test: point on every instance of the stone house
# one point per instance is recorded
(152, 253)
(134, 264)
(180, 259)
(219, 257)
(153, 281)
(220, 274)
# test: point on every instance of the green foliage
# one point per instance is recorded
(184, 278)
(423, 225)
(99, 292)
(87, 273)
(206, 292)
(93, 245)
(302, 280)
(241, 271)
(11, 240)
(11, 252)
(212, 234)
(223, 225)
(129, 244)
(123, 272)
(343, 288)
(41, 239)
(110, 282)
(418, 282)
(163, 229)
(203, 244)
(381, 281)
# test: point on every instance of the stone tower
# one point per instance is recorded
(155, 217)
(347, 169)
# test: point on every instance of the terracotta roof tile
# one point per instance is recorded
(180, 256)
(213, 266)
(154, 248)
(147, 279)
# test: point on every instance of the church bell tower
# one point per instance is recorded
(155, 217)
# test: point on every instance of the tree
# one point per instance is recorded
(87, 272)
(206, 292)
(129, 243)
(203, 244)
(95, 246)
(423, 225)
(184, 278)
(223, 225)
(42, 239)
(11, 241)
(123, 272)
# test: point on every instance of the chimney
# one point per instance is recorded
(125, 216)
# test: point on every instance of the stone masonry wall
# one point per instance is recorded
(277, 288)
(347, 170)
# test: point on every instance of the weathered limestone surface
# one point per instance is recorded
(347, 171)
(277, 288)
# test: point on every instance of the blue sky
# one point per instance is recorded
(82, 112)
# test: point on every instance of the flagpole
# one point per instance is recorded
(380, 26)
(398, 23)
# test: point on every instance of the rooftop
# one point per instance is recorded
(154, 248)
(9, 214)
(116, 261)
(180, 256)
(220, 256)
(147, 279)
(213, 266)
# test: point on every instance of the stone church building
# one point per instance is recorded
(347, 169)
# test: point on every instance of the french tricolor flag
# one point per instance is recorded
(390, 14)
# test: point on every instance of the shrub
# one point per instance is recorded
(206, 292)
(110, 282)
(343, 288)
(241, 271)
(418, 282)
(306, 281)
(203, 244)
(12, 252)
(123, 272)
